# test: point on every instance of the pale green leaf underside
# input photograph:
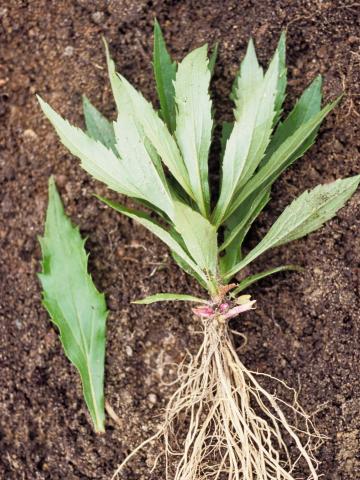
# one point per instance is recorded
(74, 304)
(168, 297)
(199, 235)
(95, 158)
(153, 130)
(194, 122)
(254, 96)
(304, 215)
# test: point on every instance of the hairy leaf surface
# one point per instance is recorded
(308, 105)
(74, 304)
(152, 131)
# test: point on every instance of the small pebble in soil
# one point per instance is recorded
(152, 398)
(97, 17)
(129, 351)
(68, 51)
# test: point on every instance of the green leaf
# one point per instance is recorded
(74, 304)
(187, 269)
(95, 158)
(254, 98)
(140, 161)
(308, 105)
(194, 122)
(169, 297)
(98, 127)
(157, 230)
(152, 131)
(226, 129)
(304, 215)
(249, 73)
(165, 72)
(238, 226)
(282, 80)
(212, 59)
(246, 213)
(199, 237)
(259, 276)
(281, 158)
(115, 82)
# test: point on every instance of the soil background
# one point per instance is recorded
(306, 326)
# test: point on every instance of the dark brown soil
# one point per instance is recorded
(306, 327)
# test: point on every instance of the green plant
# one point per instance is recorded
(74, 304)
(160, 159)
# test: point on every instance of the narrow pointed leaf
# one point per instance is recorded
(153, 130)
(164, 71)
(304, 215)
(237, 228)
(259, 276)
(95, 158)
(308, 105)
(98, 127)
(169, 297)
(187, 269)
(157, 230)
(199, 236)
(249, 73)
(281, 158)
(141, 162)
(282, 80)
(254, 96)
(194, 122)
(213, 58)
(115, 81)
(74, 304)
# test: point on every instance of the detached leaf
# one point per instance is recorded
(199, 236)
(74, 304)
(169, 297)
(165, 72)
(304, 215)
(98, 127)
(194, 122)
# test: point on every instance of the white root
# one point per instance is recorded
(235, 429)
